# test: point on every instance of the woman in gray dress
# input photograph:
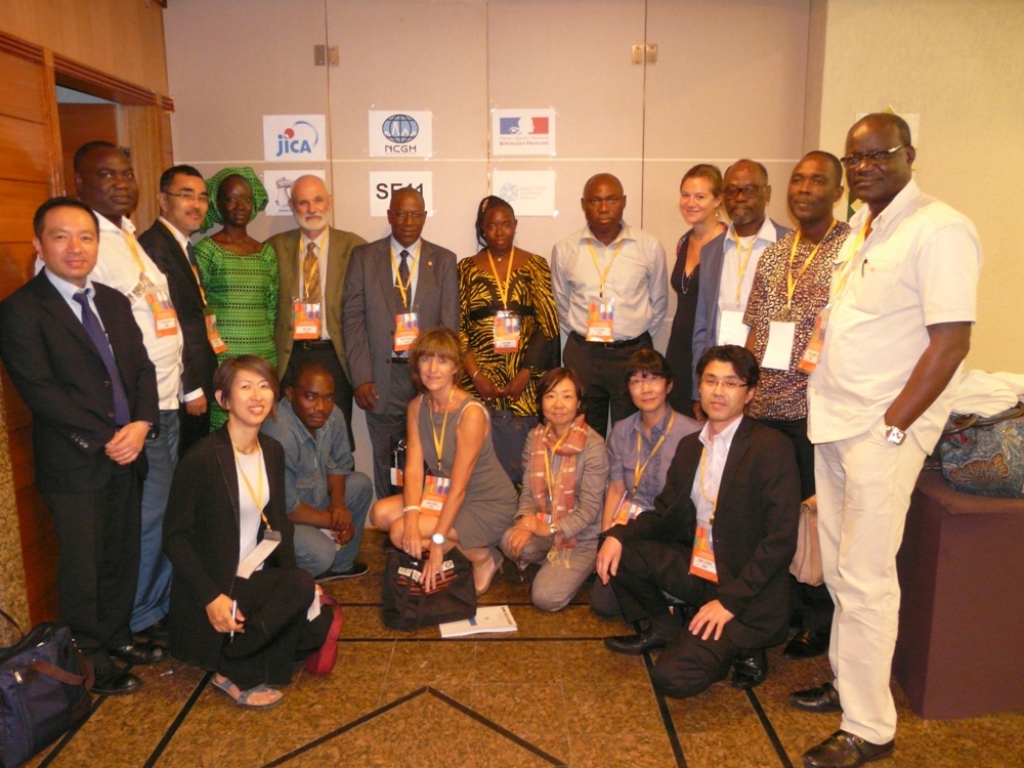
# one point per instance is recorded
(464, 499)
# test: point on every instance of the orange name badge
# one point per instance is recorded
(702, 563)
(213, 333)
(397, 477)
(600, 320)
(307, 318)
(165, 320)
(506, 332)
(809, 359)
(627, 510)
(435, 491)
(407, 328)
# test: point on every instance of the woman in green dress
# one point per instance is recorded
(509, 329)
(238, 272)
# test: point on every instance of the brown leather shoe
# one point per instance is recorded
(824, 698)
(844, 750)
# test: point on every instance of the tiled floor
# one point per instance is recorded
(547, 695)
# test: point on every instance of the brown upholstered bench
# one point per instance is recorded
(960, 651)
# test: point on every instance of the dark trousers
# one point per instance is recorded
(386, 426)
(688, 665)
(99, 535)
(814, 604)
(274, 602)
(603, 372)
(192, 429)
(328, 359)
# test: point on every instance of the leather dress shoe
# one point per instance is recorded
(635, 645)
(749, 669)
(138, 654)
(824, 698)
(112, 680)
(844, 750)
(155, 634)
(807, 644)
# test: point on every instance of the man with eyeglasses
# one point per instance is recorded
(728, 263)
(395, 288)
(106, 183)
(790, 288)
(899, 318)
(610, 282)
(720, 537)
(183, 203)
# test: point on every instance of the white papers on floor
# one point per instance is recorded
(489, 618)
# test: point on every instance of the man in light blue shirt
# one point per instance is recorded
(326, 500)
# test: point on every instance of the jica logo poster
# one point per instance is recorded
(290, 138)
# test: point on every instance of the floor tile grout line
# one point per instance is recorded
(183, 713)
(345, 728)
(666, 716)
(469, 712)
(769, 729)
(67, 737)
(470, 638)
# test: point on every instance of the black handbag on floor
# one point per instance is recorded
(44, 690)
(407, 606)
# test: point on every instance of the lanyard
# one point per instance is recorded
(548, 477)
(439, 443)
(503, 290)
(404, 289)
(703, 491)
(130, 239)
(602, 277)
(791, 281)
(638, 473)
(847, 266)
(256, 496)
(741, 267)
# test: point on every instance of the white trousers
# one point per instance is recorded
(864, 485)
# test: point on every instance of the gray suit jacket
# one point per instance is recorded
(368, 317)
(705, 324)
(289, 260)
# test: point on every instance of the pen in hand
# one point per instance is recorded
(234, 612)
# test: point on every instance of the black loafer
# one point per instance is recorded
(138, 654)
(113, 681)
(749, 669)
(635, 645)
(844, 750)
(824, 698)
(807, 644)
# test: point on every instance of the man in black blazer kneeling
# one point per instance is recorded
(720, 537)
(77, 359)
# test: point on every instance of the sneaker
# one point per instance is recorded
(358, 569)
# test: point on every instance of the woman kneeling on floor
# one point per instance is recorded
(227, 500)
(467, 500)
(559, 516)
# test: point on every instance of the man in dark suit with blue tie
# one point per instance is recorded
(77, 359)
(183, 202)
(398, 276)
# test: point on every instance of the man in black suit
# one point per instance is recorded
(77, 359)
(398, 276)
(720, 537)
(183, 202)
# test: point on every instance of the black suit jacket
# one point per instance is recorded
(201, 529)
(198, 359)
(754, 530)
(60, 375)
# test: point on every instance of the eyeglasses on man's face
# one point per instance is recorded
(873, 158)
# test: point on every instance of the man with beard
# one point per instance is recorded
(312, 262)
(728, 263)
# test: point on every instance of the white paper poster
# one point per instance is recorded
(401, 134)
(530, 193)
(383, 183)
(522, 132)
(288, 138)
(279, 189)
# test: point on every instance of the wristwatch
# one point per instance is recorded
(552, 530)
(438, 539)
(894, 435)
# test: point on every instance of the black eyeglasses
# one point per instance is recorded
(189, 196)
(751, 190)
(874, 158)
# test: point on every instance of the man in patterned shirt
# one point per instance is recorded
(790, 288)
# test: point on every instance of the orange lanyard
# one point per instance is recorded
(503, 289)
(638, 473)
(602, 277)
(703, 490)
(403, 288)
(743, 261)
(548, 476)
(791, 281)
(257, 495)
(848, 265)
(439, 443)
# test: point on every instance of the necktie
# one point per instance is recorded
(92, 325)
(403, 278)
(191, 252)
(311, 274)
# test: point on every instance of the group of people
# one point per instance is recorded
(808, 366)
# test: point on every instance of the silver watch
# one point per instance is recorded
(894, 435)
(438, 539)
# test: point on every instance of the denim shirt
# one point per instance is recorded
(623, 459)
(308, 459)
